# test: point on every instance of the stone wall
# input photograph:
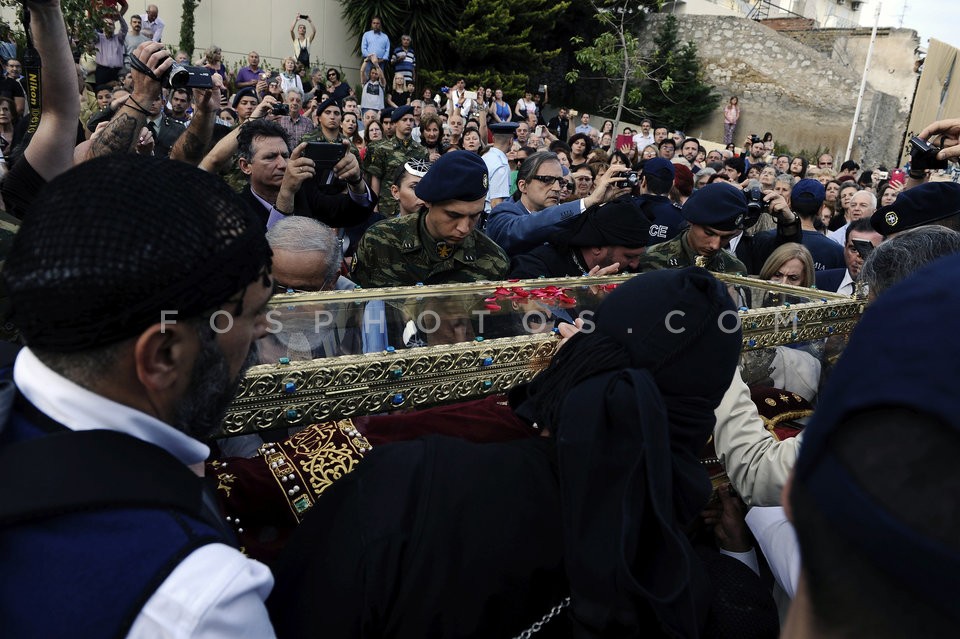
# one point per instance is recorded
(805, 98)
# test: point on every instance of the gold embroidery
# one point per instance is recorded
(770, 401)
(224, 482)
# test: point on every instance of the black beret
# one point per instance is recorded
(503, 128)
(457, 175)
(386, 113)
(401, 111)
(719, 205)
(327, 103)
(618, 223)
(242, 93)
(918, 206)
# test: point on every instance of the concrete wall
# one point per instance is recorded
(806, 99)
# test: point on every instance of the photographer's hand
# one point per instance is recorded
(949, 132)
(608, 187)
(299, 170)
(348, 170)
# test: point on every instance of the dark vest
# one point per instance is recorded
(91, 523)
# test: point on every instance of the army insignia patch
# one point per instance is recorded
(891, 218)
(738, 222)
(444, 250)
(486, 181)
(700, 261)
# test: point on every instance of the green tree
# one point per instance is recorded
(81, 18)
(494, 44)
(675, 91)
(614, 55)
(186, 25)
(428, 22)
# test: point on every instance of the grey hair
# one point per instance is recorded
(898, 257)
(786, 178)
(294, 90)
(300, 234)
(873, 197)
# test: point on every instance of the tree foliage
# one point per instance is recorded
(675, 91)
(186, 26)
(82, 17)
(614, 54)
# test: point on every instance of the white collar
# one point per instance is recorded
(847, 280)
(80, 409)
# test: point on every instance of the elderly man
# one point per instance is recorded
(862, 205)
(138, 325)
(844, 280)
(607, 239)
(442, 243)
(521, 225)
(282, 184)
(249, 75)
(295, 124)
(153, 23)
(715, 214)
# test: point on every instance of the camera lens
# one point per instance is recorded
(179, 76)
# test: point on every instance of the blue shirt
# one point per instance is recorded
(517, 230)
(378, 43)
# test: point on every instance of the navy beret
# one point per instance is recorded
(503, 128)
(457, 175)
(242, 93)
(808, 190)
(401, 111)
(659, 168)
(719, 205)
(327, 103)
(918, 206)
(386, 113)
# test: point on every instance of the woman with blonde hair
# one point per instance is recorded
(790, 263)
(288, 76)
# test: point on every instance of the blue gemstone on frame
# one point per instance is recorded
(284, 360)
(292, 414)
(397, 399)
(289, 387)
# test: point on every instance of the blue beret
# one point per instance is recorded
(808, 190)
(457, 175)
(503, 128)
(659, 168)
(719, 205)
(401, 111)
(918, 206)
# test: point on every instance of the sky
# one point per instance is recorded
(938, 19)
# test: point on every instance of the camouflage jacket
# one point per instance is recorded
(400, 252)
(317, 136)
(676, 253)
(383, 160)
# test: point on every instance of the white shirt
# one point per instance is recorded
(642, 141)
(847, 284)
(216, 591)
(498, 167)
(157, 26)
(840, 235)
(778, 541)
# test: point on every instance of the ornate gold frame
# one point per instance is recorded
(300, 393)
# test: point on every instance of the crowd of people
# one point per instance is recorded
(576, 506)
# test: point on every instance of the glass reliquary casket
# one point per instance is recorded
(344, 354)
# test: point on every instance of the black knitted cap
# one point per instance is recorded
(86, 272)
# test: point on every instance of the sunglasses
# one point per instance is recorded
(549, 180)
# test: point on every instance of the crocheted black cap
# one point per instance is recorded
(86, 272)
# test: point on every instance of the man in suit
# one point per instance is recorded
(282, 184)
(843, 280)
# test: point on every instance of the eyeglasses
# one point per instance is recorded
(549, 180)
(331, 75)
(583, 179)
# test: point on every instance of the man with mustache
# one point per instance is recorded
(138, 327)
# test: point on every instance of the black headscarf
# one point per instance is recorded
(631, 404)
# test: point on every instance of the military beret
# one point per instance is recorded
(242, 93)
(328, 103)
(457, 175)
(719, 205)
(401, 111)
(503, 128)
(918, 206)
(808, 190)
(659, 168)
(386, 113)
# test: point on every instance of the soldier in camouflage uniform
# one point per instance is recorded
(441, 244)
(715, 213)
(329, 115)
(388, 155)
